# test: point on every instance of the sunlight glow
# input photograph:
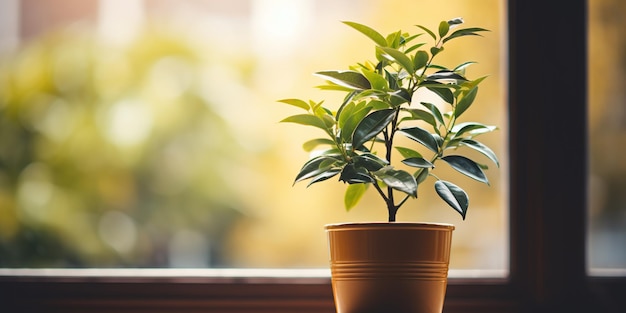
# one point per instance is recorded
(120, 20)
(128, 123)
(276, 24)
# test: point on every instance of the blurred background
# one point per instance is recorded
(146, 134)
(607, 136)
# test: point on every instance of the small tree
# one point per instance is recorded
(379, 105)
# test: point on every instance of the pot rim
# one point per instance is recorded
(388, 225)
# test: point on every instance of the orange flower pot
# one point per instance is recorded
(389, 267)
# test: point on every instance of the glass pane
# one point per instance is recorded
(607, 135)
(148, 135)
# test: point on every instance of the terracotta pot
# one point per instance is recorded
(389, 267)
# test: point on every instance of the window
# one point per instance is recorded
(547, 48)
(607, 130)
(161, 146)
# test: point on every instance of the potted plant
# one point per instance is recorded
(385, 136)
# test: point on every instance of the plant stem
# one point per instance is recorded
(389, 134)
(381, 192)
(391, 206)
(392, 214)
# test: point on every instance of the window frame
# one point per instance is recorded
(546, 49)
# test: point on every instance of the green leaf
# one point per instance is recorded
(378, 105)
(344, 112)
(480, 147)
(369, 32)
(435, 111)
(313, 143)
(421, 175)
(369, 161)
(355, 175)
(465, 102)
(349, 79)
(316, 166)
(334, 87)
(435, 50)
(428, 31)
(418, 162)
(473, 83)
(315, 106)
(353, 195)
(444, 27)
(406, 40)
(453, 143)
(392, 79)
(417, 114)
(347, 100)
(398, 180)
(399, 57)
(455, 21)
(326, 116)
(352, 121)
(443, 92)
(413, 47)
(422, 136)
(446, 75)
(399, 97)
(473, 128)
(376, 80)
(408, 153)
(420, 60)
(467, 167)
(371, 126)
(370, 93)
(461, 67)
(297, 103)
(330, 173)
(332, 152)
(437, 67)
(465, 32)
(306, 119)
(453, 195)
(393, 39)
(438, 139)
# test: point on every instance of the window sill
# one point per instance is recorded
(251, 290)
(212, 290)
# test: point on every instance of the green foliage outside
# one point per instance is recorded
(107, 152)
